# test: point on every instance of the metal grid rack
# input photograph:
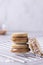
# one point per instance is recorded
(21, 58)
(7, 56)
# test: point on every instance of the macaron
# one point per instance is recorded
(34, 46)
(20, 46)
(3, 32)
(19, 35)
(20, 40)
(20, 50)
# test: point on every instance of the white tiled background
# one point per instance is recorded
(22, 15)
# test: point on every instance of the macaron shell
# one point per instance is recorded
(18, 46)
(19, 35)
(20, 50)
(20, 40)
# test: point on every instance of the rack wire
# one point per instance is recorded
(18, 57)
(22, 58)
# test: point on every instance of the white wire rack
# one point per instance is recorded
(7, 56)
(21, 58)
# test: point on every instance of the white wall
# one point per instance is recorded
(21, 15)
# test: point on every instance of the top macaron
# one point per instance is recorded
(19, 35)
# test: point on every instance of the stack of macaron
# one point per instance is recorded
(20, 41)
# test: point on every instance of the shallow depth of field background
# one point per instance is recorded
(22, 15)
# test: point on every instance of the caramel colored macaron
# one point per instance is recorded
(20, 50)
(3, 32)
(18, 46)
(20, 40)
(19, 35)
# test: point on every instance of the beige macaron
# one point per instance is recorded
(34, 46)
(20, 40)
(19, 35)
(18, 46)
(20, 50)
(3, 32)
